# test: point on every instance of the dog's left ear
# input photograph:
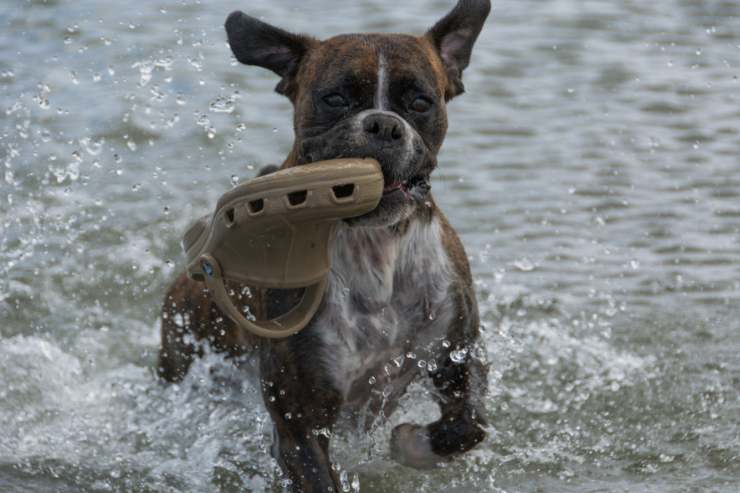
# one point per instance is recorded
(257, 43)
(454, 37)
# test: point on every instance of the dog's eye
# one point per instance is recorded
(420, 105)
(335, 100)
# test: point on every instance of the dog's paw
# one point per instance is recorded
(412, 447)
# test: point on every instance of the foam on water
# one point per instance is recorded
(119, 428)
(90, 415)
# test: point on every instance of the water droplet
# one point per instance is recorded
(201, 119)
(325, 432)
(42, 101)
(288, 416)
(458, 356)
(222, 104)
(372, 380)
(524, 265)
(344, 480)
(145, 71)
(157, 94)
(132, 145)
(92, 147)
(234, 180)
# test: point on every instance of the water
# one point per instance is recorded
(592, 171)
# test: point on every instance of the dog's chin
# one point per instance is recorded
(393, 208)
(398, 203)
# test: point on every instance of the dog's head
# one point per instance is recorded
(382, 96)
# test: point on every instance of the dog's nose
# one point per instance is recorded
(383, 127)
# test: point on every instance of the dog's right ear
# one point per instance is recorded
(454, 37)
(257, 43)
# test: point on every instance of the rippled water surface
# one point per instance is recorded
(593, 171)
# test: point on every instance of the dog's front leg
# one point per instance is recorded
(303, 405)
(461, 383)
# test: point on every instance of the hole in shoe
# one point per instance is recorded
(343, 191)
(256, 206)
(297, 198)
(229, 218)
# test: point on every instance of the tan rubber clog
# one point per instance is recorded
(275, 231)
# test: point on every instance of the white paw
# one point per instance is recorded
(410, 446)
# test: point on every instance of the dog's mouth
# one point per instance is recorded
(416, 187)
(395, 187)
(399, 199)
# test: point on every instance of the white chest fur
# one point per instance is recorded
(388, 296)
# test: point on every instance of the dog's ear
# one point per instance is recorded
(454, 37)
(257, 43)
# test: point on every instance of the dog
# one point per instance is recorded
(400, 302)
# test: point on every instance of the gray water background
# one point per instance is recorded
(592, 171)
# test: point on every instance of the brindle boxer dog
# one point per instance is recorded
(400, 302)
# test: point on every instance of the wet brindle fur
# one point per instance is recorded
(400, 290)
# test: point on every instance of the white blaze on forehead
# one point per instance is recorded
(381, 92)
